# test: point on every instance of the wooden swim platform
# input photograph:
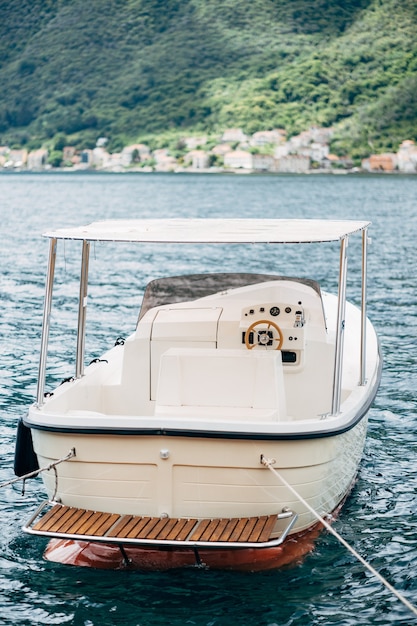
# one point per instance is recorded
(82, 524)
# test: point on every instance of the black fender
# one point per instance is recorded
(25, 459)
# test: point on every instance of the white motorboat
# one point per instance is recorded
(157, 449)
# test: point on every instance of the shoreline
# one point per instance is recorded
(200, 172)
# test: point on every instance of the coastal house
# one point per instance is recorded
(267, 137)
(292, 163)
(191, 143)
(16, 158)
(160, 155)
(137, 152)
(407, 157)
(238, 159)
(86, 158)
(263, 162)
(197, 159)
(234, 135)
(164, 162)
(302, 140)
(221, 149)
(69, 155)
(282, 150)
(316, 151)
(4, 151)
(37, 159)
(320, 134)
(112, 162)
(100, 157)
(332, 161)
(313, 136)
(380, 162)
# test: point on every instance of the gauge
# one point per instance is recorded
(274, 311)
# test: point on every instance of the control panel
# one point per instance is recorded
(275, 326)
(283, 314)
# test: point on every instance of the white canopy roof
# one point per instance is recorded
(213, 230)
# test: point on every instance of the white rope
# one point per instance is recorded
(268, 463)
(70, 454)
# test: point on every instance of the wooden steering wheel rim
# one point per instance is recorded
(269, 324)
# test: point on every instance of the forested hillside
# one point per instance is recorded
(129, 70)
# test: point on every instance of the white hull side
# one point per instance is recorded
(201, 478)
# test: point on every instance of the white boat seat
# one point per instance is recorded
(222, 384)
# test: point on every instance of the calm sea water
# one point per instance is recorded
(380, 518)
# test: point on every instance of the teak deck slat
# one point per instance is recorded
(184, 532)
(105, 525)
(206, 536)
(258, 528)
(167, 528)
(45, 519)
(135, 527)
(68, 519)
(95, 521)
(201, 527)
(221, 525)
(59, 517)
(120, 526)
(246, 532)
(143, 531)
(172, 536)
(158, 528)
(65, 520)
(237, 531)
(267, 529)
(231, 525)
(85, 522)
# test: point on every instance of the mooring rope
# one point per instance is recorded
(70, 454)
(269, 464)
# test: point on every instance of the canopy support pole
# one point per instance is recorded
(362, 380)
(82, 310)
(340, 328)
(46, 322)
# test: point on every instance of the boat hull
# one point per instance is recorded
(186, 477)
(107, 556)
(115, 557)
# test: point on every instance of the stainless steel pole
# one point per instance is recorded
(82, 310)
(340, 328)
(363, 306)
(46, 322)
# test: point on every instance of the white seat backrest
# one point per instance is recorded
(206, 377)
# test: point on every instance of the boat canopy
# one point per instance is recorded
(223, 230)
(212, 230)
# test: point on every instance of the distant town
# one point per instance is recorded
(233, 151)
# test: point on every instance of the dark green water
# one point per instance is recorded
(380, 517)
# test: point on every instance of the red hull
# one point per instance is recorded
(107, 556)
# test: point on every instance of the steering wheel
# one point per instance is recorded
(265, 336)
